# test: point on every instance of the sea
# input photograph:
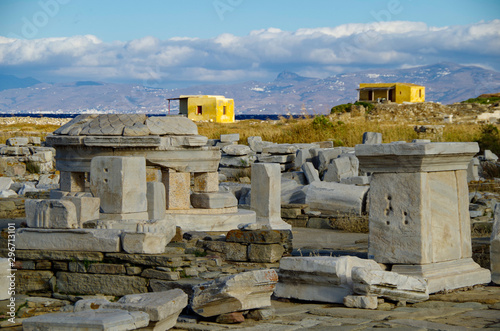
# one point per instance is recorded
(262, 117)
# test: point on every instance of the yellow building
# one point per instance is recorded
(214, 108)
(395, 92)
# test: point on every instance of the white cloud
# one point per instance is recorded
(259, 55)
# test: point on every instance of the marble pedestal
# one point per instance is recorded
(419, 211)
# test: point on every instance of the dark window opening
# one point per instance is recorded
(199, 110)
(419, 93)
(223, 110)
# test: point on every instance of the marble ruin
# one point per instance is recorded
(419, 211)
(135, 190)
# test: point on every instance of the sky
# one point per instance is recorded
(174, 43)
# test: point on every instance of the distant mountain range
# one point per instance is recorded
(288, 93)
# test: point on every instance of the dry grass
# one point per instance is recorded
(342, 133)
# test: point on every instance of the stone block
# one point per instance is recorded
(17, 141)
(206, 182)
(495, 247)
(156, 196)
(266, 195)
(260, 253)
(177, 186)
(11, 167)
(88, 320)
(120, 183)
(270, 158)
(291, 192)
(5, 279)
(159, 274)
(310, 172)
(244, 291)
(256, 144)
(92, 240)
(231, 251)
(106, 268)
(372, 138)
(145, 243)
(160, 306)
(72, 181)
(43, 156)
(342, 167)
(336, 198)
(87, 208)
(361, 301)
(236, 150)
(28, 281)
(237, 161)
(302, 156)
(473, 170)
(319, 223)
(91, 284)
(356, 180)
(325, 156)
(51, 214)
(280, 149)
(188, 141)
(229, 138)
(389, 285)
(211, 221)
(213, 200)
(5, 183)
(322, 278)
(262, 236)
(35, 140)
(490, 156)
(171, 125)
(15, 151)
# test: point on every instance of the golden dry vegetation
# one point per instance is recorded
(307, 130)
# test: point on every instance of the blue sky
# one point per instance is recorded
(187, 42)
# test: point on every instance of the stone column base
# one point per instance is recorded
(448, 275)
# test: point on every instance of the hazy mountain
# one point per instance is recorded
(288, 93)
(10, 82)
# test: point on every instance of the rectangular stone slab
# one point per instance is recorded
(88, 320)
(92, 240)
(415, 157)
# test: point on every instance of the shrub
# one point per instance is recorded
(346, 107)
(484, 101)
(489, 138)
(322, 122)
(368, 106)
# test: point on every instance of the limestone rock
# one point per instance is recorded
(247, 290)
(87, 208)
(265, 253)
(118, 285)
(389, 285)
(342, 167)
(156, 196)
(5, 273)
(171, 125)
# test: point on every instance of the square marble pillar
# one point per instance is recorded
(177, 186)
(266, 195)
(120, 183)
(419, 211)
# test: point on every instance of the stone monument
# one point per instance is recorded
(419, 211)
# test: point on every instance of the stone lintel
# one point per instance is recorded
(415, 157)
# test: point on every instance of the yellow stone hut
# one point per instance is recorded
(214, 108)
(394, 92)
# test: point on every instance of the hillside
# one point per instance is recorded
(288, 93)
